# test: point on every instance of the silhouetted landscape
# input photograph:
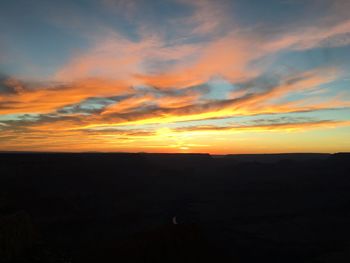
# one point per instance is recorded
(119, 207)
(174, 131)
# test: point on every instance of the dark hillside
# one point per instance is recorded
(86, 207)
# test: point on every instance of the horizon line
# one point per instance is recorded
(178, 153)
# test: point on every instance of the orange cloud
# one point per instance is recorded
(48, 98)
(119, 58)
(149, 108)
(299, 126)
(228, 57)
(311, 37)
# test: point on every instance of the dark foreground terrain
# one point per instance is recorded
(121, 207)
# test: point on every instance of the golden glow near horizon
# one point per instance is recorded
(206, 77)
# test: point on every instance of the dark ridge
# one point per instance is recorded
(171, 160)
(120, 207)
(277, 157)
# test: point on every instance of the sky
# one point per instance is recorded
(181, 76)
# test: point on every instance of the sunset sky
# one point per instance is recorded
(209, 76)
